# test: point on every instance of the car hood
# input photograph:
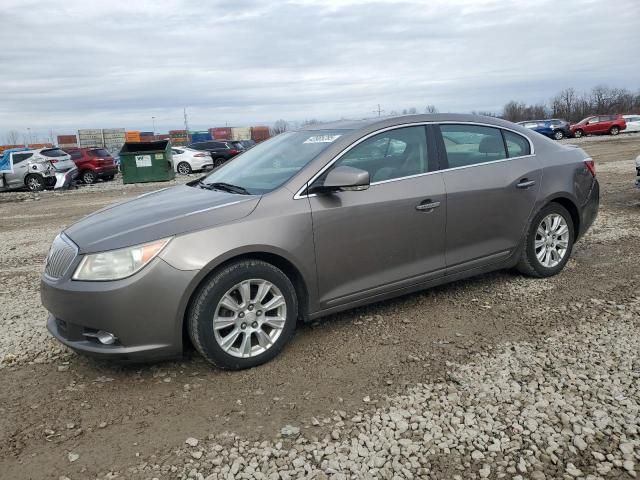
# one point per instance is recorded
(156, 215)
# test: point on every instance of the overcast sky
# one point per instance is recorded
(98, 64)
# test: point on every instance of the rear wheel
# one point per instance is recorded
(218, 161)
(88, 177)
(578, 133)
(548, 243)
(34, 182)
(614, 130)
(184, 168)
(244, 315)
(558, 135)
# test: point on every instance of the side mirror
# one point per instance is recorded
(342, 178)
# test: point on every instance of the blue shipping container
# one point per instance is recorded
(200, 137)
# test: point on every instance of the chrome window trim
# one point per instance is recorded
(299, 194)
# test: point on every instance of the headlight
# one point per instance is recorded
(118, 264)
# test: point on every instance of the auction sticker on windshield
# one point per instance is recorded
(321, 139)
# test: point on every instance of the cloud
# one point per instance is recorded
(73, 64)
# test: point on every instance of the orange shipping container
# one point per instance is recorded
(132, 136)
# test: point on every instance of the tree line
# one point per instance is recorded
(573, 106)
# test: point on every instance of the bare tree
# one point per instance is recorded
(430, 109)
(413, 111)
(12, 137)
(280, 126)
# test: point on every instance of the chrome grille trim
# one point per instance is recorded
(61, 254)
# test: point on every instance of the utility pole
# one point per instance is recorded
(153, 122)
(186, 124)
(378, 110)
(28, 130)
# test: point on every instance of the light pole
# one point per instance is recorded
(153, 122)
(29, 139)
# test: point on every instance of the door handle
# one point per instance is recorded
(427, 206)
(524, 183)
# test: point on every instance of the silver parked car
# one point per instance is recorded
(312, 222)
(36, 169)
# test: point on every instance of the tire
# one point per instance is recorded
(530, 264)
(614, 130)
(558, 135)
(88, 177)
(208, 309)
(578, 133)
(218, 161)
(184, 168)
(34, 182)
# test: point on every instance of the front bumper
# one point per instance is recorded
(144, 312)
(65, 179)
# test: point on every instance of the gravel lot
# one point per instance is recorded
(498, 376)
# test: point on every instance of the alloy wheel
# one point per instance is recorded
(558, 135)
(184, 168)
(34, 184)
(552, 240)
(249, 318)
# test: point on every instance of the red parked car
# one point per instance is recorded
(93, 163)
(599, 124)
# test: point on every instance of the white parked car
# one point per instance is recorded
(36, 169)
(187, 160)
(633, 123)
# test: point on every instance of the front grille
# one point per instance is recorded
(61, 254)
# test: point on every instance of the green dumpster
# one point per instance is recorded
(146, 162)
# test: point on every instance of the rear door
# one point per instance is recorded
(389, 236)
(492, 179)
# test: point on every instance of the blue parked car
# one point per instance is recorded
(552, 128)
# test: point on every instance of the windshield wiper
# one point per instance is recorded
(225, 187)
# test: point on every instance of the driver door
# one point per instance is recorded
(389, 236)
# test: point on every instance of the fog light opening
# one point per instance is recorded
(106, 338)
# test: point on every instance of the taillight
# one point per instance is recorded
(591, 166)
(201, 155)
(233, 151)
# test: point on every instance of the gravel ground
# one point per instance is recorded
(499, 376)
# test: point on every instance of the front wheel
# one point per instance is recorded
(34, 182)
(244, 315)
(548, 243)
(558, 135)
(578, 133)
(614, 131)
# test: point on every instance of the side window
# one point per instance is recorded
(593, 120)
(392, 154)
(75, 155)
(21, 157)
(472, 144)
(517, 145)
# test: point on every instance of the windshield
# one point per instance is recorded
(271, 163)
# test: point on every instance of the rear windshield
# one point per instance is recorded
(100, 152)
(53, 152)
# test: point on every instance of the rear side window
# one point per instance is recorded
(53, 152)
(392, 154)
(21, 157)
(472, 144)
(517, 145)
(76, 155)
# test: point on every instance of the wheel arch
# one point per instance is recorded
(276, 259)
(571, 207)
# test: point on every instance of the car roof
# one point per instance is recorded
(403, 119)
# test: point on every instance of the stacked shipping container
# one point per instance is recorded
(67, 141)
(179, 137)
(90, 137)
(200, 136)
(220, 133)
(114, 138)
(260, 134)
(240, 133)
(132, 136)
